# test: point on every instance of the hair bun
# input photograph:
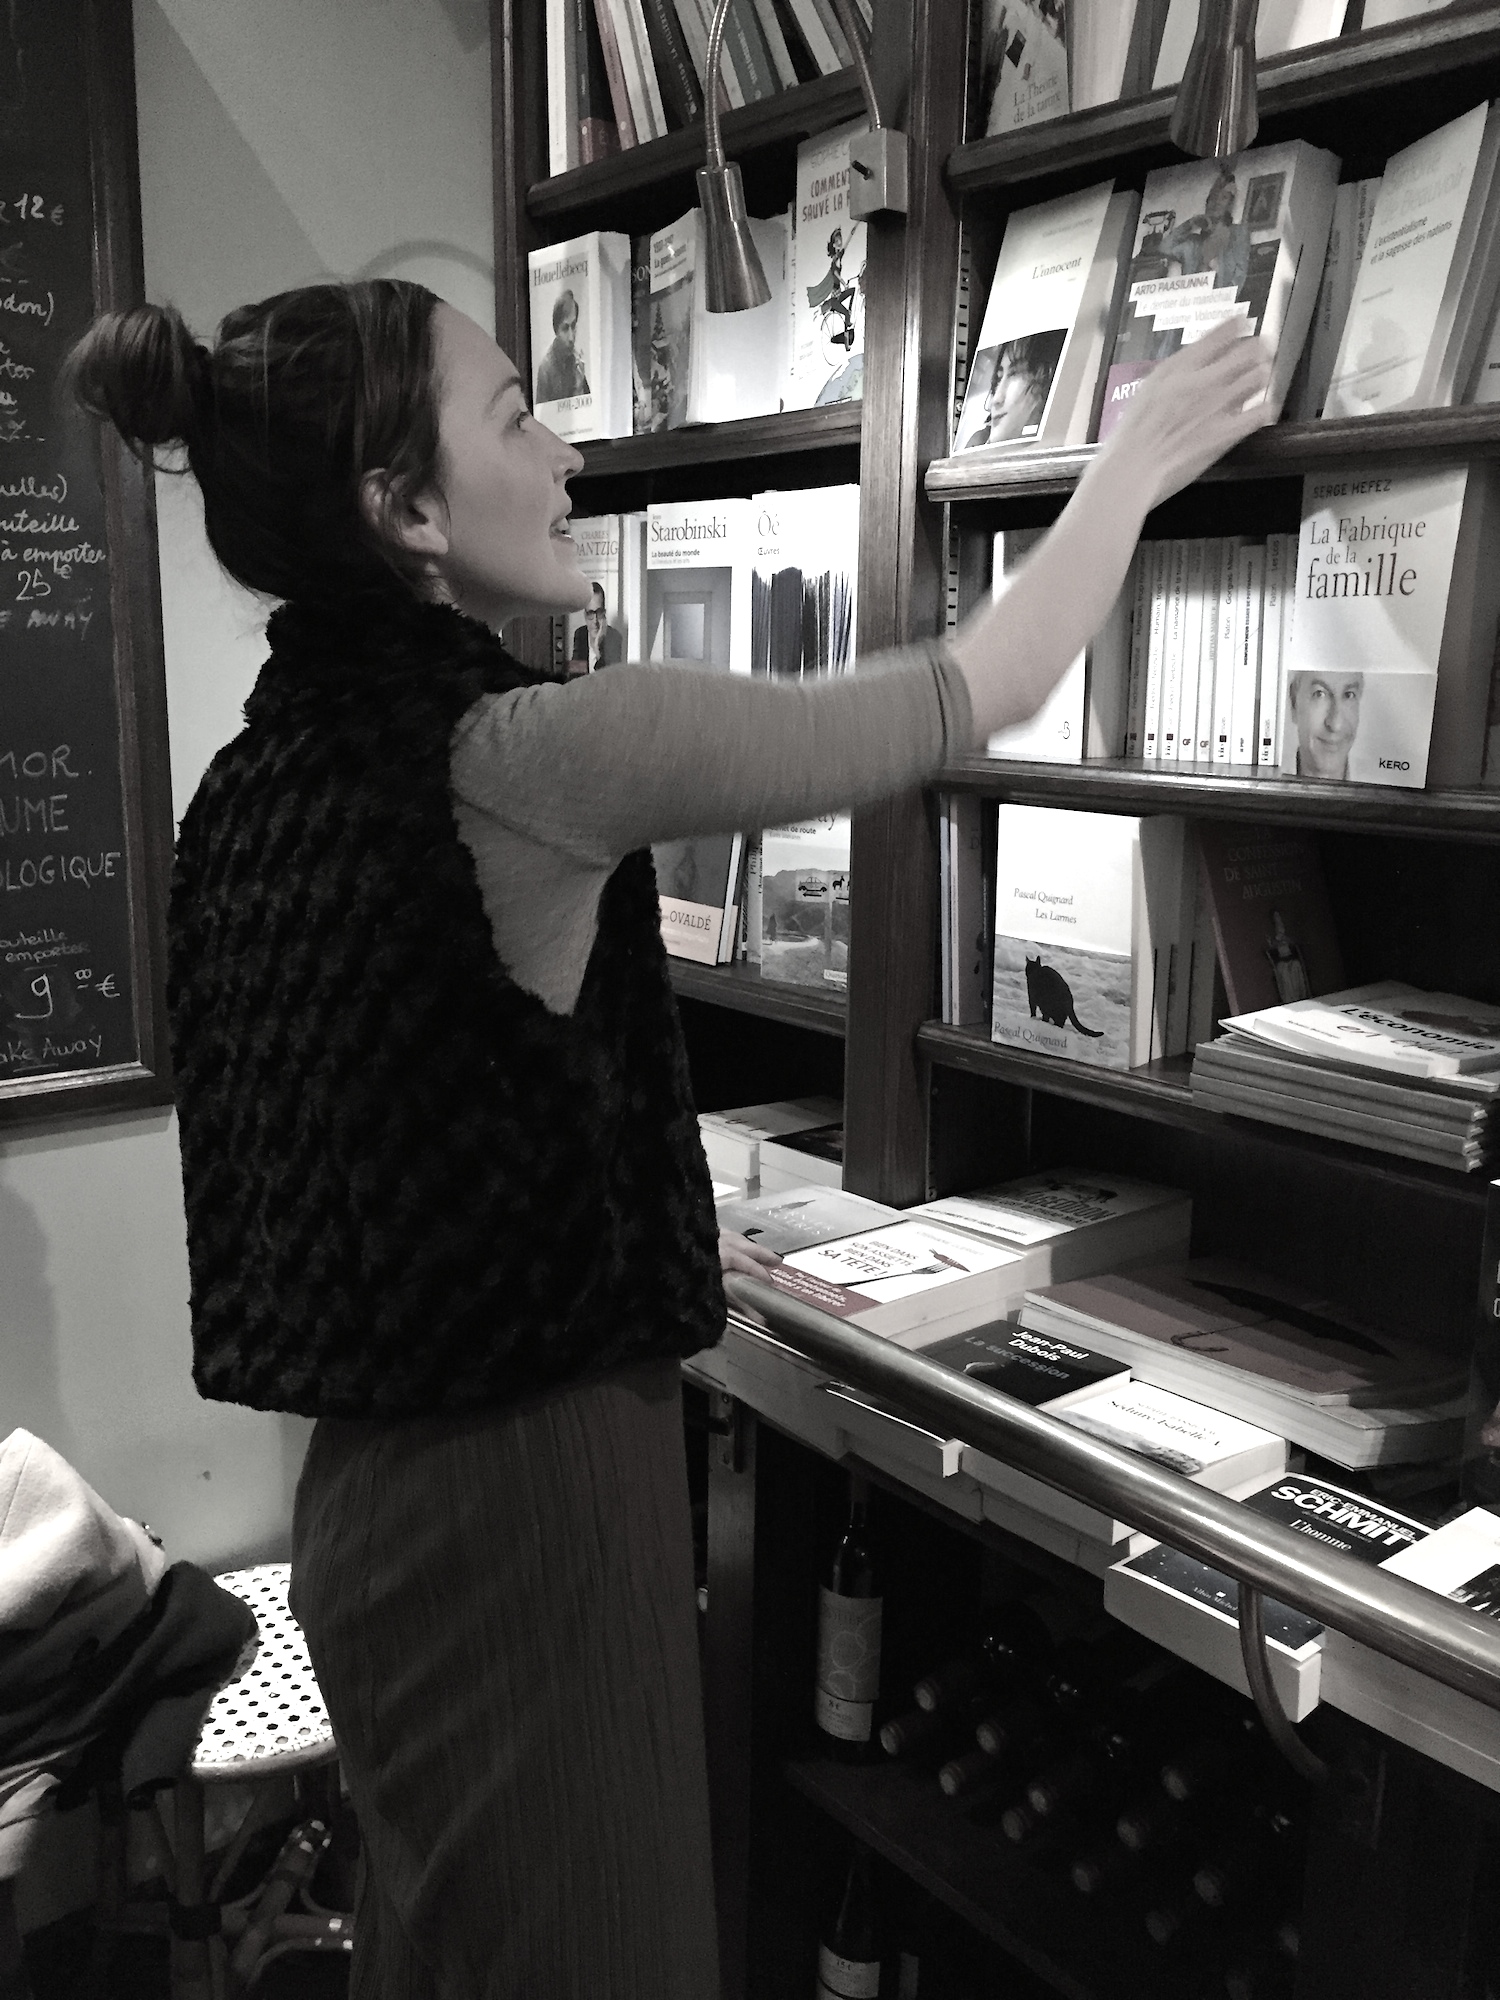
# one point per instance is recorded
(144, 372)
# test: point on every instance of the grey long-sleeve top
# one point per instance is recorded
(553, 785)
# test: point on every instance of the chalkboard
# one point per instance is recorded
(85, 814)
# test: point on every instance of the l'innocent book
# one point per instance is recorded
(580, 336)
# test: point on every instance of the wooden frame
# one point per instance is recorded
(135, 607)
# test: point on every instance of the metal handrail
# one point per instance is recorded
(1387, 1613)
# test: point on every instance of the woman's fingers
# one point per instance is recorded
(1194, 407)
(738, 1253)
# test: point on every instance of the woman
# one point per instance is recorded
(443, 1184)
(1016, 398)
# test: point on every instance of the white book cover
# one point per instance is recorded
(827, 362)
(1387, 1026)
(1404, 273)
(1353, 211)
(1064, 931)
(1031, 318)
(600, 634)
(1055, 734)
(798, 1218)
(580, 336)
(1249, 583)
(805, 582)
(1187, 1438)
(804, 890)
(1218, 241)
(902, 1261)
(1025, 58)
(739, 360)
(698, 564)
(1075, 1208)
(667, 351)
(1176, 645)
(1226, 653)
(1280, 26)
(1163, 556)
(1099, 37)
(1375, 563)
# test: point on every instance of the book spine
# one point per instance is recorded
(1200, 743)
(1222, 707)
(775, 41)
(1162, 560)
(1182, 649)
(1268, 735)
(681, 95)
(815, 34)
(619, 96)
(751, 56)
(1140, 648)
(640, 70)
(1289, 545)
(562, 127)
(598, 131)
(1250, 566)
(834, 28)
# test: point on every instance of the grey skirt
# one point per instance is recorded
(500, 1610)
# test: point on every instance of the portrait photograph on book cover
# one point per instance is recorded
(1367, 726)
(1008, 389)
(561, 374)
(1060, 1000)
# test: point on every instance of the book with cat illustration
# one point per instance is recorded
(1086, 911)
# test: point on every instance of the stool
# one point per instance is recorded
(268, 1721)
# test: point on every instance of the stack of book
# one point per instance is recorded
(1384, 1066)
(1270, 1352)
(743, 1145)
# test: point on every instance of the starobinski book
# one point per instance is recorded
(580, 336)
(1396, 1029)
(828, 278)
(1240, 240)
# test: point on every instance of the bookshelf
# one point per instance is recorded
(932, 1109)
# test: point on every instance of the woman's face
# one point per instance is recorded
(1219, 208)
(1010, 387)
(502, 510)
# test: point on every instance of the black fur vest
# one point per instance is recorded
(410, 1187)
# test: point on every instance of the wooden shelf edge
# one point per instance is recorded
(1342, 67)
(1160, 1092)
(935, 1844)
(1117, 786)
(1284, 451)
(791, 114)
(747, 993)
(784, 432)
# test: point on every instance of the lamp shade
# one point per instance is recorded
(733, 277)
(1215, 113)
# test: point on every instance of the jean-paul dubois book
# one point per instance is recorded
(1426, 281)
(1024, 63)
(1387, 666)
(1193, 1609)
(805, 582)
(902, 1278)
(580, 335)
(1459, 1561)
(1240, 240)
(1081, 1222)
(1086, 911)
(1273, 925)
(804, 900)
(827, 363)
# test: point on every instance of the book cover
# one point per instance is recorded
(1237, 240)
(1025, 63)
(599, 635)
(1353, 211)
(1055, 734)
(1041, 1207)
(800, 1218)
(1032, 314)
(1385, 1026)
(1035, 1368)
(1064, 904)
(804, 586)
(1185, 1437)
(665, 354)
(580, 320)
(828, 278)
(906, 1265)
(1273, 927)
(804, 889)
(698, 584)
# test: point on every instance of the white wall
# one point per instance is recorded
(281, 141)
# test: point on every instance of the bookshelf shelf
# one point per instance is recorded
(966, 1867)
(741, 987)
(1433, 45)
(1160, 1092)
(1115, 785)
(1285, 451)
(791, 115)
(790, 431)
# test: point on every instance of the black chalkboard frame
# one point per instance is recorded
(135, 604)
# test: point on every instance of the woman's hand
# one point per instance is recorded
(738, 1253)
(1188, 412)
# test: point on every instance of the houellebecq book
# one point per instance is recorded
(580, 335)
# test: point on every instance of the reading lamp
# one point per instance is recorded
(1215, 113)
(734, 280)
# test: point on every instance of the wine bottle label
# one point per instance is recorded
(847, 1978)
(848, 1674)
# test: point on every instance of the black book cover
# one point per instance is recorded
(1035, 1368)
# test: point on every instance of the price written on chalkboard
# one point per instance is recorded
(65, 988)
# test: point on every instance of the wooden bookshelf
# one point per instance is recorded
(1129, 786)
(1436, 45)
(834, 427)
(741, 988)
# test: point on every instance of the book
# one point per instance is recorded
(1272, 924)
(1084, 715)
(805, 582)
(698, 584)
(1461, 1562)
(1085, 908)
(732, 1138)
(563, 138)
(1105, 55)
(600, 634)
(1279, 590)
(904, 1277)
(1281, 25)
(1026, 64)
(815, 36)
(593, 107)
(804, 887)
(1389, 1027)
(1242, 1079)
(1080, 1222)
(1353, 210)
(1192, 1608)
(697, 879)
(1249, 587)
(580, 335)
(681, 91)
(1430, 202)
(638, 67)
(664, 354)
(815, 1157)
(1240, 240)
(739, 360)
(797, 1218)
(828, 278)
(1031, 319)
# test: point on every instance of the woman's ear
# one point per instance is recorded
(416, 523)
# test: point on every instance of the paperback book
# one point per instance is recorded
(901, 1279)
(1024, 63)
(828, 278)
(580, 335)
(804, 890)
(1273, 927)
(732, 1139)
(799, 1218)
(664, 346)
(1280, 25)
(1387, 1026)
(805, 582)
(1080, 1222)
(600, 634)
(816, 1156)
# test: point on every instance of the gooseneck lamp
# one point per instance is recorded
(1215, 113)
(733, 278)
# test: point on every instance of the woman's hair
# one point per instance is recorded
(301, 396)
(1029, 354)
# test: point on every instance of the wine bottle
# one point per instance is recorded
(849, 1618)
(928, 1738)
(1264, 1853)
(1212, 1761)
(1014, 1644)
(851, 1946)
